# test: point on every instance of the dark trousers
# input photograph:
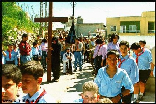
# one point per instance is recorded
(35, 57)
(10, 62)
(97, 61)
(55, 65)
(69, 69)
(126, 99)
(144, 75)
(44, 55)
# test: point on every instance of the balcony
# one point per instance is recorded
(151, 31)
(130, 31)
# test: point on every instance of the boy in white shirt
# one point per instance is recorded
(68, 62)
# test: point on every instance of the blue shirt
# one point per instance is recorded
(17, 51)
(144, 60)
(131, 68)
(111, 87)
(13, 57)
(78, 101)
(34, 51)
(44, 99)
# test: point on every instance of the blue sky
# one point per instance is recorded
(95, 12)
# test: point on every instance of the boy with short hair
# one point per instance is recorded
(90, 93)
(32, 73)
(128, 63)
(11, 57)
(25, 49)
(144, 61)
(68, 62)
(11, 82)
(143, 44)
(35, 52)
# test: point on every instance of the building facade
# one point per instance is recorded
(132, 25)
(83, 28)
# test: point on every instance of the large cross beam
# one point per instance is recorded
(50, 19)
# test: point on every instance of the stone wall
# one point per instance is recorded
(85, 28)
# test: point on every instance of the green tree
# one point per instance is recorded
(14, 17)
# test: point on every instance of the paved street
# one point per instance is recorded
(69, 87)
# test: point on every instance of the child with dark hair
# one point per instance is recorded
(44, 49)
(143, 44)
(32, 73)
(25, 49)
(113, 44)
(11, 82)
(144, 62)
(128, 63)
(110, 79)
(35, 52)
(98, 55)
(11, 56)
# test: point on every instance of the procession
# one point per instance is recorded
(66, 66)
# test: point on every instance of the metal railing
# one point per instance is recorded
(130, 31)
(151, 31)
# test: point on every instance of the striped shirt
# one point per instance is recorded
(111, 46)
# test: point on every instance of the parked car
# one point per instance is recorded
(93, 35)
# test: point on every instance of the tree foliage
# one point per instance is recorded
(14, 17)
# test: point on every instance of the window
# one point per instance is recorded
(132, 28)
(123, 29)
(113, 28)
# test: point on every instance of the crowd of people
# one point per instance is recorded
(118, 74)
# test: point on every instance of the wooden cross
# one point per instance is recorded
(50, 19)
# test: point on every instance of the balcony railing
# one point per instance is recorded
(130, 31)
(151, 31)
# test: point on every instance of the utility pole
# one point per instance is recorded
(71, 36)
(41, 16)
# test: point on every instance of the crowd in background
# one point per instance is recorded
(101, 53)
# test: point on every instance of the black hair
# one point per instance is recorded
(33, 68)
(34, 43)
(55, 39)
(11, 71)
(98, 41)
(135, 46)
(113, 36)
(124, 43)
(143, 41)
(115, 52)
(44, 40)
(24, 35)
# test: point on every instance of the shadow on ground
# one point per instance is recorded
(83, 77)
